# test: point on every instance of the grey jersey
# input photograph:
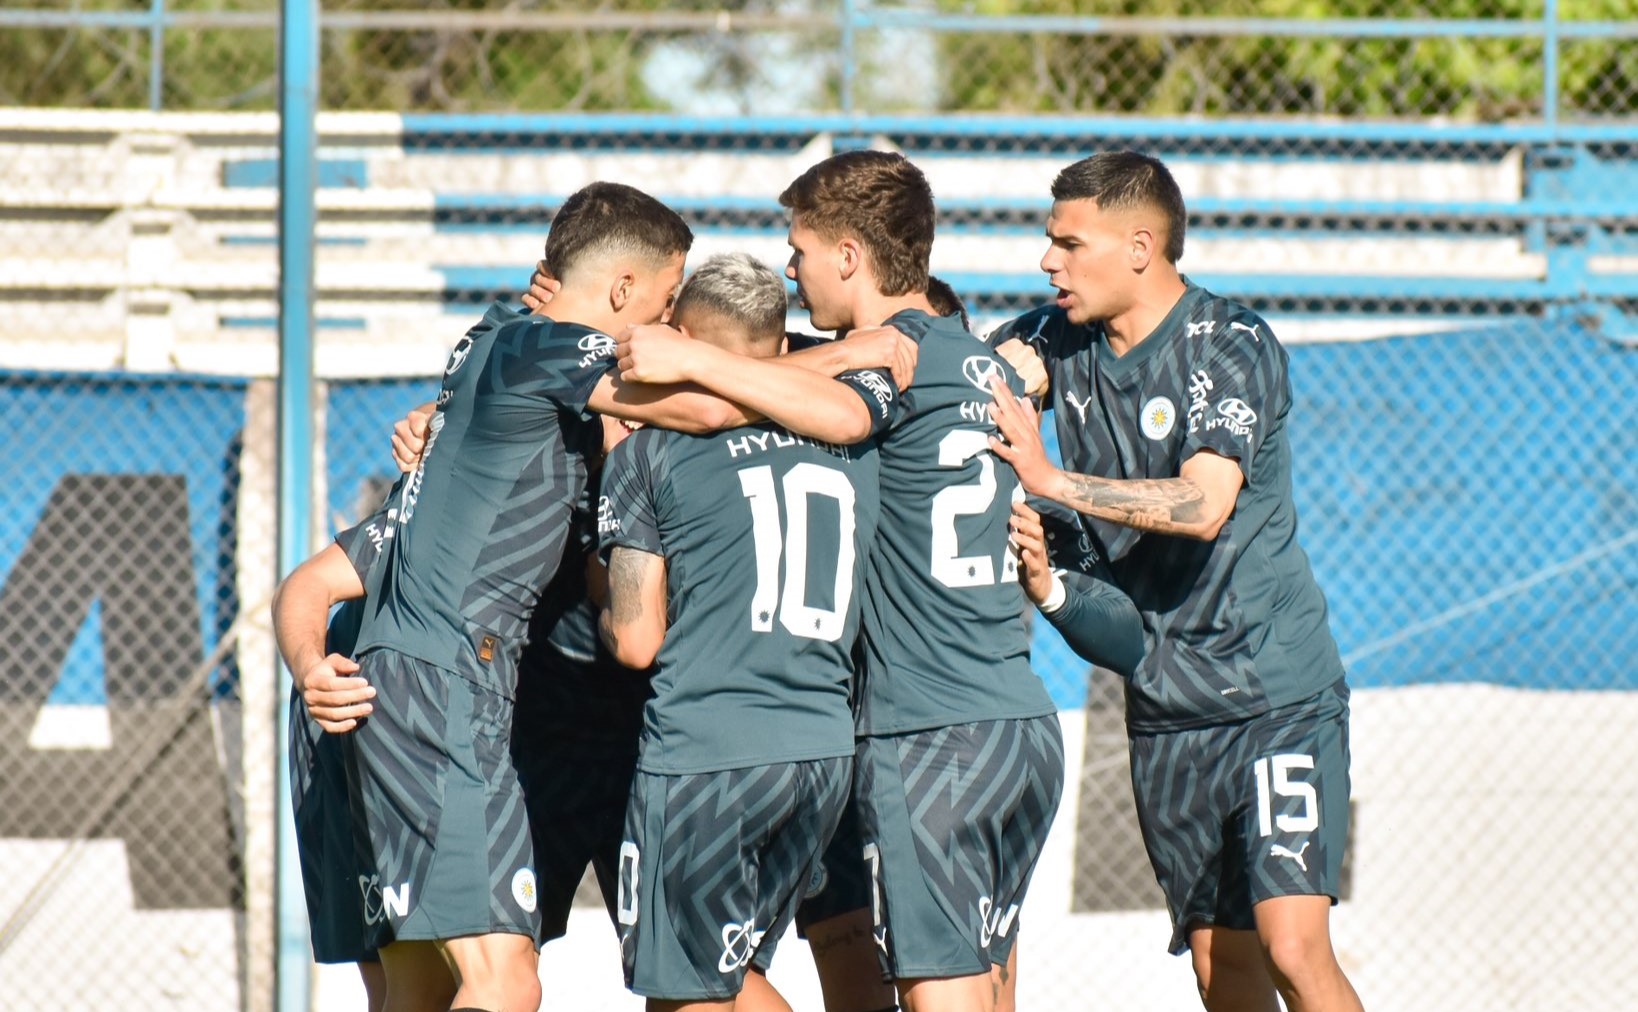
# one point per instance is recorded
(1237, 625)
(765, 536)
(944, 643)
(479, 528)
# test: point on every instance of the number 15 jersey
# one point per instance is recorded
(944, 633)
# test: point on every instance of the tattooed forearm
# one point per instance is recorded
(1163, 505)
(627, 567)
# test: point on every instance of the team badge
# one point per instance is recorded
(523, 889)
(1159, 417)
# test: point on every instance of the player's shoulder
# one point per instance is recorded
(1220, 324)
(1044, 326)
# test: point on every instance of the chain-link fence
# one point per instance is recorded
(1434, 213)
(1484, 60)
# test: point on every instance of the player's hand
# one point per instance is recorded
(409, 437)
(1034, 572)
(882, 348)
(1020, 443)
(654, 353)
(615, 431)
(1026, 361)
(542, 289)
(335, 698)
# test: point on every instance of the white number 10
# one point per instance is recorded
(795, 614)
(1304, 822)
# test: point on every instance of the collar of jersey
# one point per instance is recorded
(1164, 334)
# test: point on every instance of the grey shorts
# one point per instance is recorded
(331, 868)
(953, 820)
(1236, 814)
(712, 868)
(443, 811)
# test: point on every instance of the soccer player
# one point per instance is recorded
(948, 706)
(735, 568)
(1172, 407)
(448, 604)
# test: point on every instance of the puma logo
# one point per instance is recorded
(1252, 330)
(1278, 850)
(1079, 406)
(1040, 325)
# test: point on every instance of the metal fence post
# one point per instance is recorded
(156, 56)
(298, 99)
(1549, 65)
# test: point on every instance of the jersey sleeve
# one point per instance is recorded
(1238, 387)
(576, 359)
(626, 513)
(880, 394)
(364, 541)
(1097, 619)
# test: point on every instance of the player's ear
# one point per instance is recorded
(850, 257)
(1144, 244)
(621, 290)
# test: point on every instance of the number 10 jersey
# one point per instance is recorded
(765, 536)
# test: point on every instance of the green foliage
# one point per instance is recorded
(470, 69)
(1463, 78)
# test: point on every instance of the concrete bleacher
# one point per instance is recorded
(148, 241)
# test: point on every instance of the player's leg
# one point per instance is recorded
(1229, 970)
(495, 971)
(1004, 982)
(1291, 770)
(948, 879)
(835, 919)
(415, 978)
(447, 831)
(1183, 799)
(375, 984)
(849, 964)
(760, 996)
(1295, 933)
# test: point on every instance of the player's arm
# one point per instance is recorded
(633, 622)
(869, 348)
(1076, 594)
(682, 407)
(1195, 504)
(802, 401)
(1022, 342)
(301, 608)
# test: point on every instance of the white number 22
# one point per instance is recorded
(950, 568)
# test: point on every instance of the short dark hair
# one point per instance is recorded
(741, 288)
(1122, 180)
(879, 198)
(613, 218)
(946, 302)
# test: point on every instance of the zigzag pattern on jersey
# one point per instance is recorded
(526, 538)
(742, 846)
(407, 811)
(981, 798)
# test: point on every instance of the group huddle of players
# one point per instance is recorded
(738, 618)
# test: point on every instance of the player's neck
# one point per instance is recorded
(1131, 328)
(873, 309)
(593, 312)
